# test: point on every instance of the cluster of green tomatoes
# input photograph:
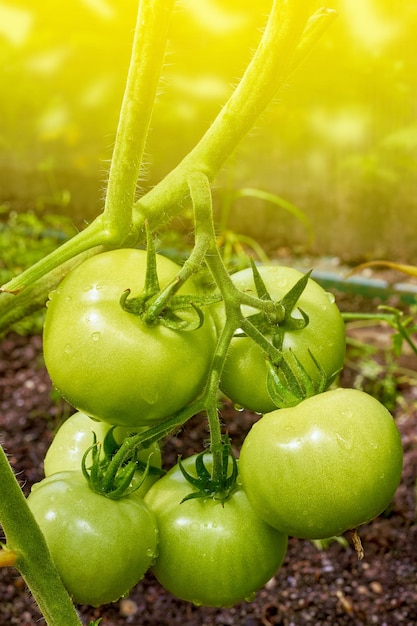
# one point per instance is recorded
(311, 469)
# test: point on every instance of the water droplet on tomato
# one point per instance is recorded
(67, 349)
(95, 336)
(238, 407)
(331, 297)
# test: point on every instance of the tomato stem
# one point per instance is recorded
(146, 62)
(286, 41)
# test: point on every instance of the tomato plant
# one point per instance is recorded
(211, 553)
(328, 465)
(75, 437)
(129, 340)
(106, 361)
(101, 547)
(245, 375)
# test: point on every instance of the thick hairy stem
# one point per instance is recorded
(145, 68)
(287, 39)
(14, 307)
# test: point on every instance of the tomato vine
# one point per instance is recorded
(126, 223)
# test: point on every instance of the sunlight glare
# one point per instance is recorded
(367, 24)
(212, 16)
(15, 24)
(100, 7)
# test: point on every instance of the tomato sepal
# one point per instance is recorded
(288, 382)
(155, 306)
(205, 484)
(110, 480)
(279, 319)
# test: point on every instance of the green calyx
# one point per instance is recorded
(274, 318)
(114, 480)
(155, 306)
(289, 382)
(204, 483)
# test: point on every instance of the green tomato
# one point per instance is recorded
(75, 436)
(327, 465)
(100, 547)
(210, 553)
(109, 364)
(244, 378)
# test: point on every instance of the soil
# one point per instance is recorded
(327, 586)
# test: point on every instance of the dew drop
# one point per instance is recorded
(331, 297)
(195, 526)
(238, 407)
(67, 349)
(95, 336)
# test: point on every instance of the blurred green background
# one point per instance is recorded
(340, 143)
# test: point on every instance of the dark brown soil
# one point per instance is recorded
(326, 587)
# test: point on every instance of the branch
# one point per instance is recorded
(142, 82)
(287, 40)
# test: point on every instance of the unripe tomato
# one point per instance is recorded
(100, 547)
(244, 378)
(106, 361)
(327, 465)
(210, 553)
